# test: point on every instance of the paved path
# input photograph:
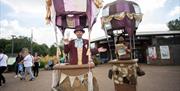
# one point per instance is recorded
(157, 78)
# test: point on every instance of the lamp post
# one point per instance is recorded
(12, 47)
(31, 41)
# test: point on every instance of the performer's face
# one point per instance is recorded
(79, 34)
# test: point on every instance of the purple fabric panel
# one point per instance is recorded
(59, 7)
(126, 23)
(122, 6)
(117, 7)
(58, 21)
(117, 24)
(112, 9)
(77, 21)
(130, 26)
(131, 8)
(88, 12)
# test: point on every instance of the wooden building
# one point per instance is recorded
(157, 47)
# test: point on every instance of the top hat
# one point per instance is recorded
(79, 28)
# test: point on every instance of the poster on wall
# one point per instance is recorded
(152, 53)
(164, 50)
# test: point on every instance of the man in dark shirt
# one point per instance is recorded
(19, 58)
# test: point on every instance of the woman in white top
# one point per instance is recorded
(28, 63)
(3, 66)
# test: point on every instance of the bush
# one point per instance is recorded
(42, 64)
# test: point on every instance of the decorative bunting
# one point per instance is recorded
(72, 78)
(63, 76)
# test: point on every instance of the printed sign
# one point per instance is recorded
(164, 50)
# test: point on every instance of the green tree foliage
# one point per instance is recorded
(174, 24)
(40, 49)
(21, 42)
(52, 50)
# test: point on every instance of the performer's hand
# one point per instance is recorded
(66, 41)
(101, 49)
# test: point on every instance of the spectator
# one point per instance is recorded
(19, 58)
(28, 63)
(3, 66)
(36, 64)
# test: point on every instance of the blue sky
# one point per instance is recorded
(21, 17)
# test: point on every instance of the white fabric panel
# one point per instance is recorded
(55, 78)
(95, 12)
(90, 81)
(137, 8)
(75, 5)
(105, 12)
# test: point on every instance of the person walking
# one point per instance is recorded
(28, 63)
(19, 58)
(3, 66)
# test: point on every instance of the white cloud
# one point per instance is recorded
(46, 34)
(9, 28)
(40, 34)
(175, 11)
(152, 27)
(150, 5)
(28, 6)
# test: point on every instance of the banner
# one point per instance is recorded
(164, 50)
(152, 53)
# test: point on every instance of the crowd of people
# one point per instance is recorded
(24, 64)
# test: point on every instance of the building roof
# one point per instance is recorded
(147, 33)
(156, 33)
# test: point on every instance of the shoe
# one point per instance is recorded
(31, 79)
(140, 72)
(19, 76)
(22, 78)
(15, 76)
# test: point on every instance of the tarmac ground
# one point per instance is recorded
(157, 78)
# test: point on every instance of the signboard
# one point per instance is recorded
(11, 60)
(152, 53)
(164, 50)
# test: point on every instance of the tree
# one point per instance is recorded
(40, 49)
(21, 42)
(3, 45)
(174, 25)
(52, 50)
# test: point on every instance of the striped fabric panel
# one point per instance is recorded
(71, 22)
(59, 7)
(84, 13)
